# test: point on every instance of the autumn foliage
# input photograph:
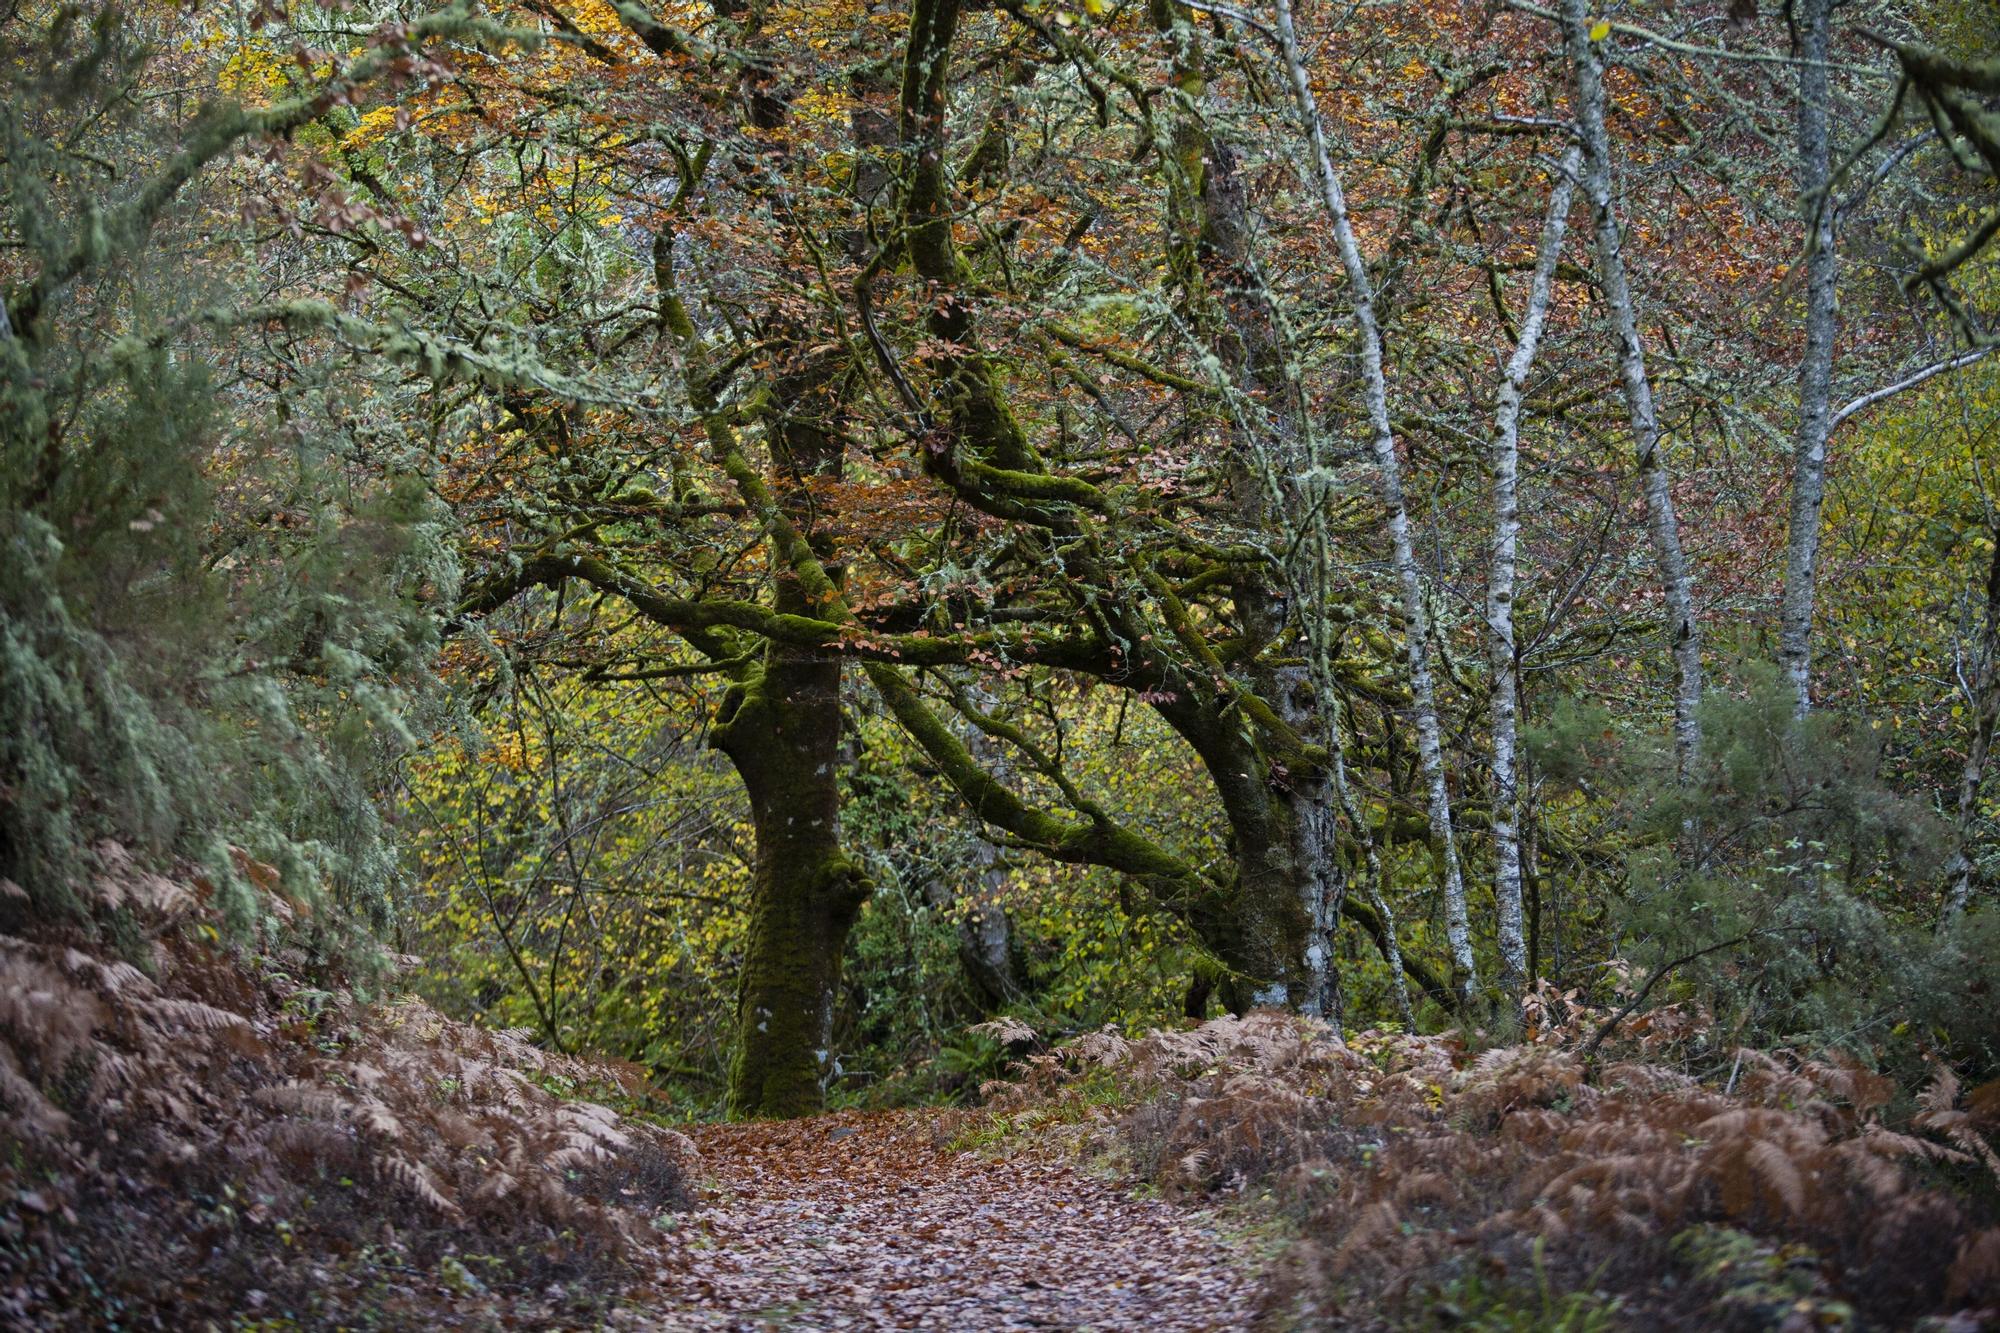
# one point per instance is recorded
(571, 563)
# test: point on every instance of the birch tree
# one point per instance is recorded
(1662, 525)
(1500, 646)
(1816, 207)
(1978, 673)
(1375, 392)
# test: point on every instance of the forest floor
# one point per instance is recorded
(873, 1221)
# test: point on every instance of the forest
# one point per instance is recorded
(961, 664)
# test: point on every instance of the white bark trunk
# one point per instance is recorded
(1316, 845)
(1816, 367)
(1458, 925)
(1500, 646)
(1979, 673)
(1662, 527)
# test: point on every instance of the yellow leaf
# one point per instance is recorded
(1600, 30)
(1094, 8)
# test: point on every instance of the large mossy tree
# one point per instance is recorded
(960, 360)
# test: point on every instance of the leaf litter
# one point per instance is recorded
(865, 1221)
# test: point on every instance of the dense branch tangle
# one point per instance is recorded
(997, 343)
(1065, 534)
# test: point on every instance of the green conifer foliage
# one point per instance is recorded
(188, 665)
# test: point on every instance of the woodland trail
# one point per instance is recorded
(862, 1221)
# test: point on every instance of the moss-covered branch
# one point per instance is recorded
(842, 636)
(1090, 842)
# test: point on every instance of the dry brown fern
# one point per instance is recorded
(133, 1088)
(1408, 1158)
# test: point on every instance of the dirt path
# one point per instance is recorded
(862, 1222)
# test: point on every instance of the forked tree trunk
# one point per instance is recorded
(780, 721)
(1284, 830)
(780, 726)
(1500, 645)
(1816, 368)
(1662, 526)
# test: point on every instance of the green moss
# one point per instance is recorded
(799, 924)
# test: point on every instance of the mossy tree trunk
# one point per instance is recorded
(780, 726)
(1273, 932)
(1284, 833)
(781, 729)
(780, 722)
(1268, 922)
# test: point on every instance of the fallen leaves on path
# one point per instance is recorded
(859, 1221)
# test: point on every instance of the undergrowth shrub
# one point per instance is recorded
(194, 1131)
(216, 609)
(1785, 888)
(1425, 1178)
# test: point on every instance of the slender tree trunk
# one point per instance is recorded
(1458, 924)
(1315, 853)
(1375, 868)
(1979, 673)
(987, 949)
(1816, 368)
(1662, 526)
(1500, 646)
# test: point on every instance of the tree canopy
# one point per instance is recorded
(821, 524)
